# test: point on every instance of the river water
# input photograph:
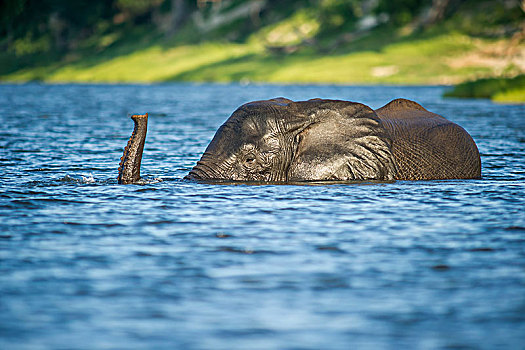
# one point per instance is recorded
(86, 263)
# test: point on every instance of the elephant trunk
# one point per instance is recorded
(204, 170)
(129, 167)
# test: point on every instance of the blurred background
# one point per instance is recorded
(406, 42)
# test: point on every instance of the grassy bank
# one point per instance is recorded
(432, 59)
(497, 89)
(293, 49)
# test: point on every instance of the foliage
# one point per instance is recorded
(68, 22)
(137, 7)
(336, 14)
(401, 11)
(62, 25)
(499, 89)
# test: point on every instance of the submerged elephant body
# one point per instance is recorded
(280, 140)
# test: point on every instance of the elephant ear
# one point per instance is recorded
(341, 141)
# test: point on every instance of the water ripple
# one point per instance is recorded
(169, 263)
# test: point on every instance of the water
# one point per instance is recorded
(86, 263)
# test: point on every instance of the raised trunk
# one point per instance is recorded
(129, 167)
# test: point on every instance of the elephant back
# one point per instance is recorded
(427, 146)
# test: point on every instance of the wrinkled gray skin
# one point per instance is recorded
(280, 140)
(129, 167)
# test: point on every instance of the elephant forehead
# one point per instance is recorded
(263, 115)
(230, 138)
(271, 140)
(246, 123)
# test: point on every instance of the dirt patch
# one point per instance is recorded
(502, 57)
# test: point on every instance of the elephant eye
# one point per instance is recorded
(250, 159)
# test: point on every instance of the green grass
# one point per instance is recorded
(407, 61)
(498, 89)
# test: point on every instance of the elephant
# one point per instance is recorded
(282, 141)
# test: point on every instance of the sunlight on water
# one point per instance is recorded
(168, 263)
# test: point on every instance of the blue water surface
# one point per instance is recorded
(86, 263)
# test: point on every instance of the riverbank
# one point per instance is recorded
(293, 49)
(445, 58)
(497, 89)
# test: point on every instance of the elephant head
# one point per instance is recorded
(280, 140)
